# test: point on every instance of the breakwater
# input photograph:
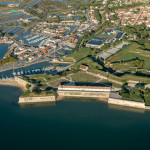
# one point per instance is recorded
(6, 42)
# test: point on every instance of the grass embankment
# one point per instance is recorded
(77, 55)
(37, 94)
(67, 59)
(137, 93)
(130, 52)
(8, 60)
(89, 62)
(43, 79)
(83, 77)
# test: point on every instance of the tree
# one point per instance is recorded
(114, 17)
(125, 92)
(58, 19)
(145, 18)
(28, 86)
(36, 89)
(24, 24)
(98, 15)
(35, 6)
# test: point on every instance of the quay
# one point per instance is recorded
(6, 42)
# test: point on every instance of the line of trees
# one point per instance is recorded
(8, 60)
(98, 15)
(137, 93)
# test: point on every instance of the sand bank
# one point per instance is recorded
(9, 82)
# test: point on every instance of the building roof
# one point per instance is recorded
(84, 67)
(86, 85)
(96, 41)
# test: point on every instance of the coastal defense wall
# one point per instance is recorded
(37, 99)
(21, 81)
(104, 95)
(126, 103)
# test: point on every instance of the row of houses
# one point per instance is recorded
(115, 3)
(92, 16)
(135, 15)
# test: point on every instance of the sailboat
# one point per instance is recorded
(21, 72)
(14, 73)
(18, 73)
(2, 77)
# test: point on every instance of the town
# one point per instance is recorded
(78, 41)
(74, 74)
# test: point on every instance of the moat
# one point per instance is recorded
(75, 123)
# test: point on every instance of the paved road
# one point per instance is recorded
(139, 16)
(69, 66)
(46, 57)
(19, 44)
(22, 63)
(105, 55)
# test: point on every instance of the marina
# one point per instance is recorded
(32, 69)
(74, 74)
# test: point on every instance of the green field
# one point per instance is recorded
(77, 55)
(130, 52)
(83, 77)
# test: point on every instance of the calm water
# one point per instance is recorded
(3, 49)
(9, 73)
(70, 125)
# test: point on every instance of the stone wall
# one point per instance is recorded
(21, 81)
(126, 103)
(37, 99)
(104, 95)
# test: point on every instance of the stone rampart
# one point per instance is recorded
(37, 99)
(126, 103)
(21, 81)
(104, 95)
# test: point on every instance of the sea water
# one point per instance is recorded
(72, 124)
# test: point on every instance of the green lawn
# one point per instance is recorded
(130, 52)
(42, 93)
(77, 55)
(83, 77)
(92, 65)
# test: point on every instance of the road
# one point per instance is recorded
(110, 52)
(69, 66)
(139, 16)
(23, 63)
(19, 44)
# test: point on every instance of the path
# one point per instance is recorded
(106, 54)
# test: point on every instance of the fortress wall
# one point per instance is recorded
(84, 94)
(21, 81)
(37, 99)
(126, 103)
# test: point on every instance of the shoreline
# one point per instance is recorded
(8, 82)
(111, 101)
(51, 62)
(6, 42)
